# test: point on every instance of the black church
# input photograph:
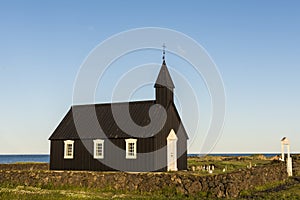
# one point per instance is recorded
(113, 149)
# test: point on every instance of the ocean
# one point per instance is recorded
(7, 159)
(238, 154)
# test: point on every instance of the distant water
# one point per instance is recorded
(6, 159)
(237, 154)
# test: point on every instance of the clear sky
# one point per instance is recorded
(255, 44)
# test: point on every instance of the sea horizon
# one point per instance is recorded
(45, 158)
(188, 153)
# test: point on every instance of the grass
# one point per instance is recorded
(10, 191)
(45, 192)
(289, 189)
(27, 192)
(228, 163)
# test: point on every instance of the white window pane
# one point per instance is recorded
(131, 148)
(69, 149)
(98, 149)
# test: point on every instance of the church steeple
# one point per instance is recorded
(164, 85)
(164, 78)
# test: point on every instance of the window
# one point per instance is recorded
(69, 149)
(98, 149)
(131, 148)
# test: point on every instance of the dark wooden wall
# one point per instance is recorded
(164, 96)
(114, 157)
(173, 122)
(153, 157)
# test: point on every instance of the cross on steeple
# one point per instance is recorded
(164, 52)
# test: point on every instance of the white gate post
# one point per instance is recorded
(288, 150)
(282, 151)
(289, 164)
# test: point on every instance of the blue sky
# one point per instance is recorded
(255, 45)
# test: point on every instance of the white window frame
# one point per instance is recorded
(129, 154)
(67, 143)
(96, 142)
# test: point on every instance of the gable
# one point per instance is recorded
(172, 135)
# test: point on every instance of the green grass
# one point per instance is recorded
(46, 192)
(27, 192)
(289, 189)
(33, 193)
(10, 191)
(228, 163)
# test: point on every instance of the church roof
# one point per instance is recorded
(139, 112)
(104, 116)
(164, 78)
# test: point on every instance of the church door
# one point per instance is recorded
(172, 151)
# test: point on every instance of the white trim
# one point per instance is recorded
(172, 151)
(131, 155)
(96, 142)
(172, 135)
(66, 153)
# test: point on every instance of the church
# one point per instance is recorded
(112, 148)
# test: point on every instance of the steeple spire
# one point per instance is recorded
(164, 85)
(164, 78)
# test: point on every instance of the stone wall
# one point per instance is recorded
(25, 166)
(222, 185)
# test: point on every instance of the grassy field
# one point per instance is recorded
(280, 190)
(69, 193)
(289, 189)
(228, 163)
